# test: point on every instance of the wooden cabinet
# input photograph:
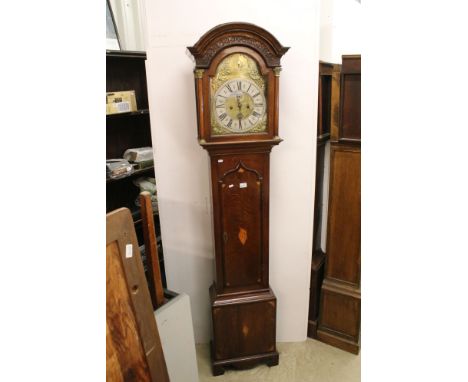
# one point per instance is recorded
(323, 136)
(340, 302)
(125, 70)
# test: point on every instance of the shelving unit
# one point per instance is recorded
(134, 175)
(126, 70)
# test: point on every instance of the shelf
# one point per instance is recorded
(130, 114)
(126, 54)
(134, 174)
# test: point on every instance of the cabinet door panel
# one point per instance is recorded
(344, 219)
(341, 313)
(244, 329)
(241, 205)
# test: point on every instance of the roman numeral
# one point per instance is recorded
(222, 116)
(229, 87)
(255, 114)
(220, 105)
(256, 95)
(249, 88)
(239, 85)
(229, 123)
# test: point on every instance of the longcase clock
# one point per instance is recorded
(237, 83)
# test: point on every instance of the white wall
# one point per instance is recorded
(182, 167)
(340, 29)
(129, 16)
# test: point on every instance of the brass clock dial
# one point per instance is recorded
(239, 105)
(238, 101)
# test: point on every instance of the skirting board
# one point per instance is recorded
(175, 326)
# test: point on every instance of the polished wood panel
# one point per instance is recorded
(134, 350)
(241, 205)
(335, 307)
(113, 367)
(241, 216)
(344, 224)
(239, 331)
(340, 315)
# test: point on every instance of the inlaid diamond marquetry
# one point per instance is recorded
(242, 235)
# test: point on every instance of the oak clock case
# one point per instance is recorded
(237, 84)
(339, 322)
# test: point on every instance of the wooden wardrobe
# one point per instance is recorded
(340, 296)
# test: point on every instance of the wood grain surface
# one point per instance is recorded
(134, 351)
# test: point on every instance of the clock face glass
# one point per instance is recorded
(238, 102)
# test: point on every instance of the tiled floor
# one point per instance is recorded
(299, 362)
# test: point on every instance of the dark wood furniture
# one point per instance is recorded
(125, 70)
(323, 136)
(133, 345)
(242, 302)
(340, 303)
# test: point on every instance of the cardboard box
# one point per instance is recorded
(121, 102)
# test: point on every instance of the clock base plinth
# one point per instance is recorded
(244, 330)
(340, 315)
(241, 363)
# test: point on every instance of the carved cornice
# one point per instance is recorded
(237, 34)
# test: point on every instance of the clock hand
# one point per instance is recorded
(239, 105)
